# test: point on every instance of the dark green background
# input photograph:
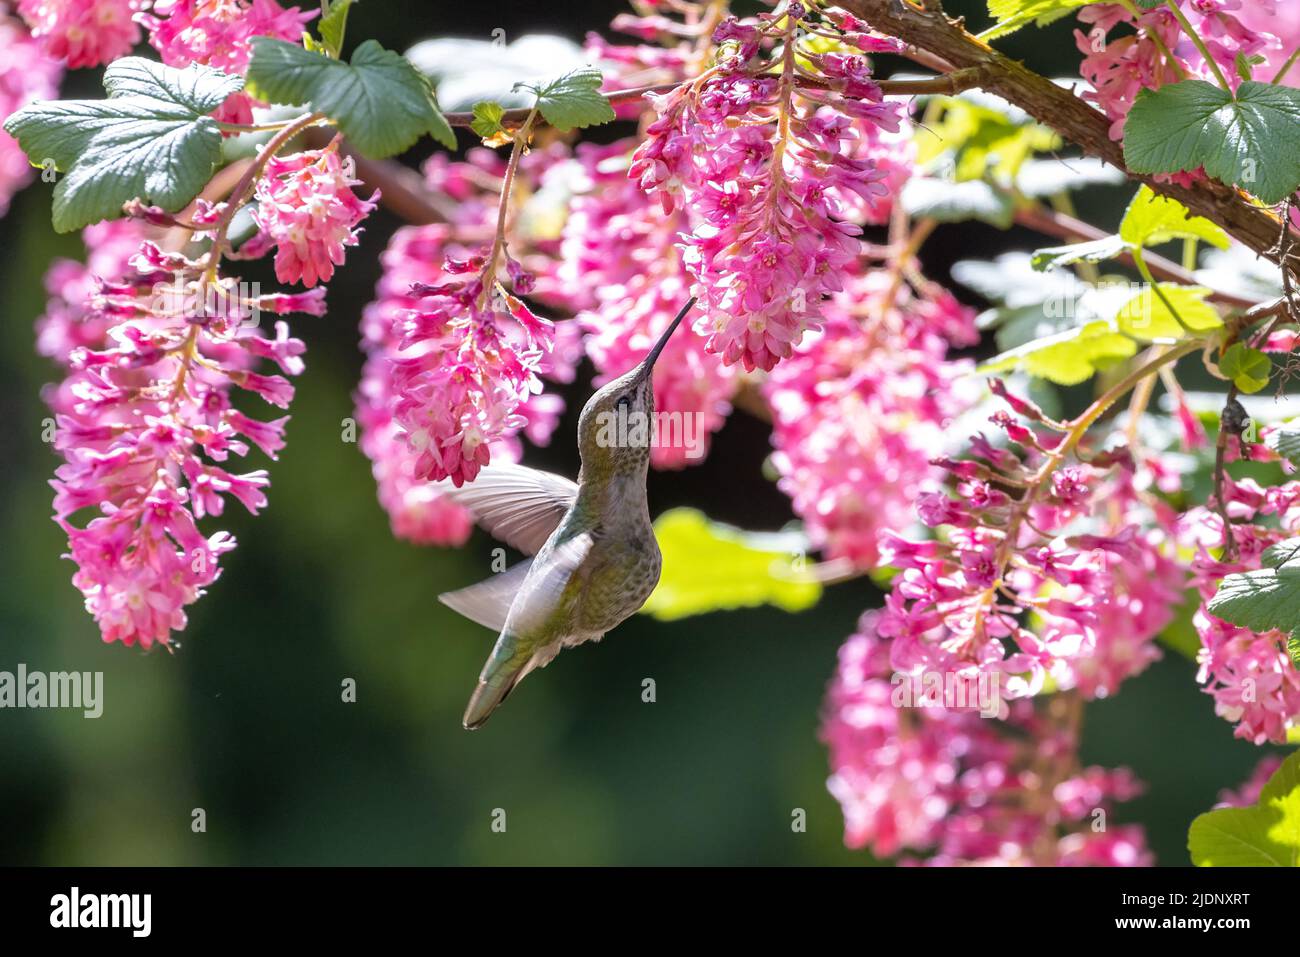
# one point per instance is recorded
(245, 719)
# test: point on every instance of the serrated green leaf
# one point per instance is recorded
(381, 103)
(1266, 834)
(573, 100)
(949, 202)
(1152, 219)
(150, 139)
(1285, 441)
(1267, 598)
(1069, 357)
(1014, 14)
(333, 25)
(1146, 316)
(194, 90)
(1248, 368)
(708, 566)
(1093, 251)
(487, 119)
(1251, 140)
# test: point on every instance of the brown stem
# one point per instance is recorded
(1072, 117)
(949, 83)
(1068, 228)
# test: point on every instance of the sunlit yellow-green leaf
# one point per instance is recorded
(1265, 835)
(1151, 220)
(708, 566)
(1069, 357)
(1147, 315)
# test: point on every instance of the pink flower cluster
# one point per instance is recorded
(920, 776)
(771, 169)
(1156, 51)
(862, 407)
(26, 74)
(1049, 571)
(145, 425)
(1250, 790)
(1250, 675)
(82, 32)
(306, 209)
(447, 386)
(619, 266)
(218, 33)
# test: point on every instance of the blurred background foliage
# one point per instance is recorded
(245, 718)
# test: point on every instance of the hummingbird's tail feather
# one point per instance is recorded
(488, 602)
(504, 670)
(487, 697)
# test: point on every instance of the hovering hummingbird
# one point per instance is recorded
(595, 558)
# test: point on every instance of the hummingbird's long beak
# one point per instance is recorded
(649, 362)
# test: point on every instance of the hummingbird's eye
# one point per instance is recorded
(624, 401)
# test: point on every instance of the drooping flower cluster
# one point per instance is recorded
(307, 210)
(26, 73)
(862, 407)
(619, 266)
(218, 33)
(930, 775)
(1156, 51)
(145, 424)
(417, 511)
(1049, 570)
(71, 319)
(1250, 674)
(453, 373)
(770, 168)
(82, 32)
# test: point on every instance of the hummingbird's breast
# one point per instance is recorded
(625, 562)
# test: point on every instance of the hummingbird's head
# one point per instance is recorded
(617, 423)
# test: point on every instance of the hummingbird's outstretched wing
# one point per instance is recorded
(519, 505)
(524, 643)
(488, 601)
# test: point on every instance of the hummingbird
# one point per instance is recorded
(595, 559)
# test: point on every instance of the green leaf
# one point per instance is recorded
(1093, 251)
(1147, 317)
(708, 566)
(1248, 368)
(379, 101)
(1069, 357)
(1266, 599)
(1152, 219)
(1251, 140)
(1266, 834)
(1285, 441)
(573, 100)
(949, 202)
(977, 134)
(333, 24)
(151, 139)
(1014, 14)
(487, 119)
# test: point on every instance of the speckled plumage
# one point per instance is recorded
(598, 565)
